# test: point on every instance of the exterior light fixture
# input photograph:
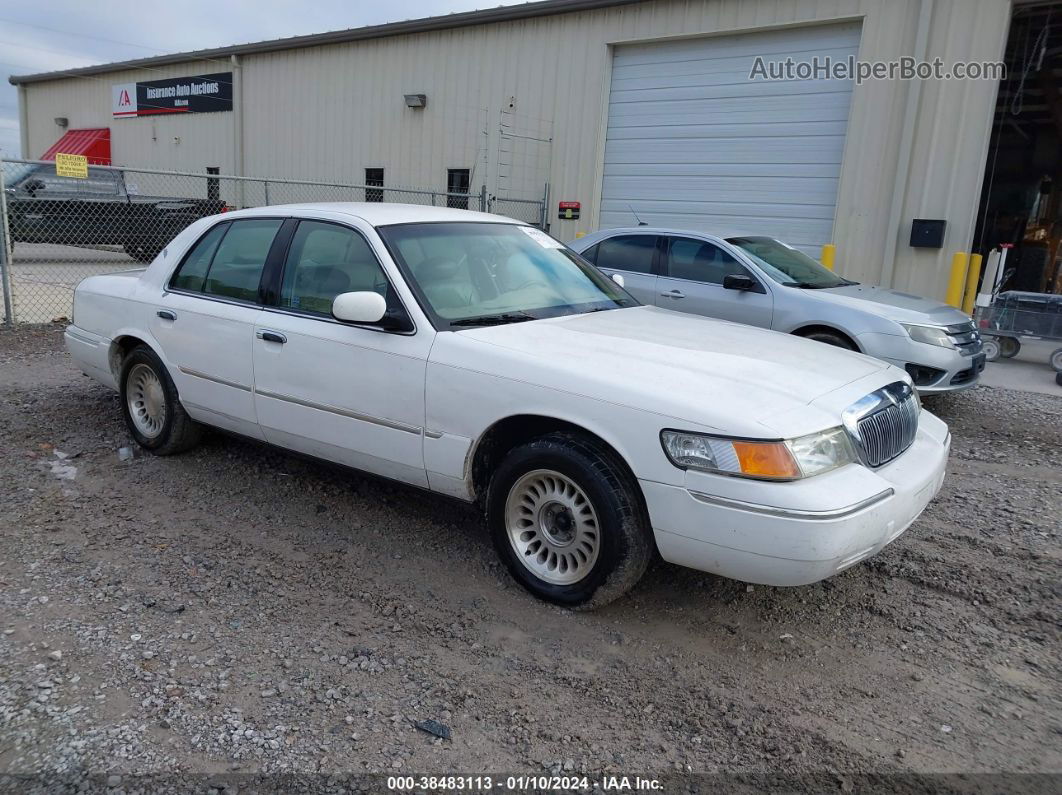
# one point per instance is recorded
(416, 100)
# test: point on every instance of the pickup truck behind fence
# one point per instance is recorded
(102, 210)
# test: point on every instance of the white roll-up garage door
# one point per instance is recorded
(693, 143)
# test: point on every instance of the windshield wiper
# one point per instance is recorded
(493, 320)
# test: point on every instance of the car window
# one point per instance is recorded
(700, 261)
(475, 273)
(631, 253)
(325, 260)
(236, 267)
(192, 272)
(590, 255)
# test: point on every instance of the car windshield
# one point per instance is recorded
(15, 172)
(786, 265)
(481, 274)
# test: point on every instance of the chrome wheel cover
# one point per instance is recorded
(553, 527)
(146, 400)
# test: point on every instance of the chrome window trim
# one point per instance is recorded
(793, 513)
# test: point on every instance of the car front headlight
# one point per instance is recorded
(790, 459)
(930, 335)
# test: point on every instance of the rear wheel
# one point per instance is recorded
(830, 338)
(1056, 360)
(153, 413)
(567, 520)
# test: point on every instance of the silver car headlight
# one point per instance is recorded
(930, 335)
(790, 459)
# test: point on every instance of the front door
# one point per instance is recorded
(205, 322)
(692, 282)
(347, 393)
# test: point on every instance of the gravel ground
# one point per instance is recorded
(237, 611)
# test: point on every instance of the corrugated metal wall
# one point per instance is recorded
(329, 112)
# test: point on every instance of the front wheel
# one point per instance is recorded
(1056, 360)
(990, 347)
(567, 519)
(830, 338)
(153, 413)
(1009, 347)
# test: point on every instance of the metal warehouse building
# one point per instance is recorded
(632, 108)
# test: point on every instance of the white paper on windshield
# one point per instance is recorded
(540, 237)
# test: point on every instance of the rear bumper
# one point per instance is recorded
(797, 533)
(91, 353)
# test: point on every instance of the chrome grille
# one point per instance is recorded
(965, 337)
(884, 423)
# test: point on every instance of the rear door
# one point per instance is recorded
(693, 282)
(205, 322)
(634, 256)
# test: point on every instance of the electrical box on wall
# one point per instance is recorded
(928, 233)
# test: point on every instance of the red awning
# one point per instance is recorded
(95, 144)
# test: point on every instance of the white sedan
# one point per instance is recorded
(477, 357)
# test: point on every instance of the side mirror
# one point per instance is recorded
(739, 281)
(618, 279)
(360, 307)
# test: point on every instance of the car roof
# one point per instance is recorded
(378, 213)
(601, 234)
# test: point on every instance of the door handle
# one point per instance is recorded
(271, 336)
(166, 314)
(673, 294)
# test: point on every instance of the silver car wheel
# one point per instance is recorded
(553, 527)
(146, 399)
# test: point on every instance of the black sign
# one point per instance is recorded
(199, 94)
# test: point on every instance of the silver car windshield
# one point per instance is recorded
(481, 274)
(787, 265)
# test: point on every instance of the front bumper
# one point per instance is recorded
(952, 371)
(801, 532)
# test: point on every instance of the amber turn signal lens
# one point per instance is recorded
(766, 460)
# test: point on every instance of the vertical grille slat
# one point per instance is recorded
(886, 426)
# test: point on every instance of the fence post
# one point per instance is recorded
(5, 254)
(483, 198)
(266, 182)
(544, 221)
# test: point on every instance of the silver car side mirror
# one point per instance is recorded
(618, 279)
(359, 307)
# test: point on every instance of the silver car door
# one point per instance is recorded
(633, 256)
(692, 281)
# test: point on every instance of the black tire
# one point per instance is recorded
(1058, 378)
(830, 338)
(991, 349)
(178, 431)
(1056, 360)
(1009, 347)
(625, 535)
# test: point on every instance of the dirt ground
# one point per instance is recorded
(237, 610)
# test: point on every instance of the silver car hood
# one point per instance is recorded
(892, 304)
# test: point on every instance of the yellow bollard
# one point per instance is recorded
(971, 284)
(957, 280)
(829, 253)
(580, 234)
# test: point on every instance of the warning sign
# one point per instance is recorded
(568, 211)
(71, 166)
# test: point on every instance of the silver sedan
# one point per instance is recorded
(764, 282)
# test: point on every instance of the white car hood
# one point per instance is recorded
(892, 304)
(694, 368)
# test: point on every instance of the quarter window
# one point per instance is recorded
(192, 273)
(700, 261)
(631, 253)
(325, 260)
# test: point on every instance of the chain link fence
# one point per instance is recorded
(57, 230)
